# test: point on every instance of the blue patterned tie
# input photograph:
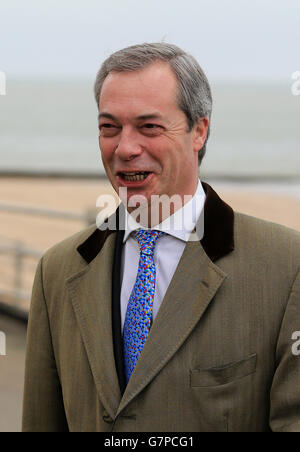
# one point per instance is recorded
(140, 304)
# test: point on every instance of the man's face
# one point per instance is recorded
(142, 130)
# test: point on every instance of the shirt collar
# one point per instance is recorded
(180, 224)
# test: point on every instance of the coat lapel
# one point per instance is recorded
(90, 292)
(187, 298)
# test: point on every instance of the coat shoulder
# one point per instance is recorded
(254, 224)
(271, 239)
(64, 257)
(71, 243)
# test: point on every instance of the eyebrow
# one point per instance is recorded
(138, 118)
(106, 115)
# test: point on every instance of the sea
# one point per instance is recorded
(50, 127)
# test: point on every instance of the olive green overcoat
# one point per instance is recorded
(221, 355)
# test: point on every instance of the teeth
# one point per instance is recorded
(134, 176)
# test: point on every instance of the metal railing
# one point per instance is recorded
(13, 291)
(14, 295)
(87, 217)
(19, 253)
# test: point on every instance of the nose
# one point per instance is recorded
(128, 146)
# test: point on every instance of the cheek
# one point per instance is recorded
(106, 148)
(162, 151)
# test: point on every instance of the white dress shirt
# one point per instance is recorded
(167, 253)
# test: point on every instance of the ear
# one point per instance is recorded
(200, 133)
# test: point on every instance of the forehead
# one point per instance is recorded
(153, 87)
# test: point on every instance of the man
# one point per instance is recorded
(147, 329)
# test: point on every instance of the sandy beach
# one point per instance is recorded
(80, 195)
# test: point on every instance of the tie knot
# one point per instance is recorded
(147, 239)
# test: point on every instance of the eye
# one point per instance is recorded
(108, 130)
(151, 129)
(150, 126)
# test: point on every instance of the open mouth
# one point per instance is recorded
(134, 176)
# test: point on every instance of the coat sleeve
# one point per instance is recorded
(285, 391)
(43, 409)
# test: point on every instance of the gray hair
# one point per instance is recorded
(194, 93)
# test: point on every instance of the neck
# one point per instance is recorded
(159, 208)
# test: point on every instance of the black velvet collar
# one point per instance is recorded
(218, 229)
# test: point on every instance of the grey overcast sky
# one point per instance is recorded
(232, 39)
